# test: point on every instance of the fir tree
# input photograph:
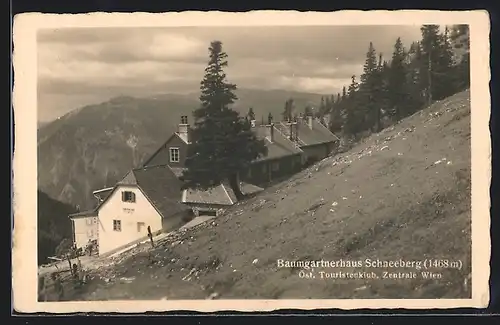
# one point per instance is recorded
(368, 106)
(416, 77)
(444, 73)
(223, 143)
(353, 117)
(336, 120)
(430, 60)
(397, 80)
(379, 94)
(353, 87)
(370, 65)
(343, 104)
(329, 103)
(460, 41)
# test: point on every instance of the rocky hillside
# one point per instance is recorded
(93, 146)
(402, 194)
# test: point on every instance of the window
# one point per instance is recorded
(88, 221)
(275, 166)
(128, 196)
(140, 226)
(90, 233)
(184, 119)
(174, 154)
(117, 225)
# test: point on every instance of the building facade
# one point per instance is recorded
(85, 228)
(146, 198)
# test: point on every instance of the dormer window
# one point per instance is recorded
(174, 154)
(128, 196)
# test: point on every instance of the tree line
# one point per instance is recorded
(223, 143)
(387, 91)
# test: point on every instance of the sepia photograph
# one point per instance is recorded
(252, 161)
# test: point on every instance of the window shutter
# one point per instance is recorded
(123, 196)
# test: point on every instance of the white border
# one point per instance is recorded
(25, 162)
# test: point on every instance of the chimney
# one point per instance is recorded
(310, 121)
(291, 132)
(183, 130)
(270, 132)
(295, 131)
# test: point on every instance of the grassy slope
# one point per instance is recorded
(397, 205)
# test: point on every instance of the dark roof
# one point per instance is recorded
(280, 147)
(83, 214)
(215, 195)
(221, 194)
(160, 185)
(177, 171)
(158, 151)
(306, 136)
(165, 159)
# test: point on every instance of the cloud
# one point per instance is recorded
(79, 66)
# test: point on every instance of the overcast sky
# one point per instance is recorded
(84, 66)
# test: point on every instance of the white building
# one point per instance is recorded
(85, 228)
(145, 197)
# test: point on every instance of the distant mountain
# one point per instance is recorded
(93, 146)
(53, 225)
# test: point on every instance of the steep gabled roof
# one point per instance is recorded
(160, 186)
(280, 147)
(177, 171)
(129, 179)
(215, 195)
(162, 147)
(221, 194)
(325, 131)
(309, 137)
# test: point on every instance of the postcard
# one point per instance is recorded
(255, 161)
